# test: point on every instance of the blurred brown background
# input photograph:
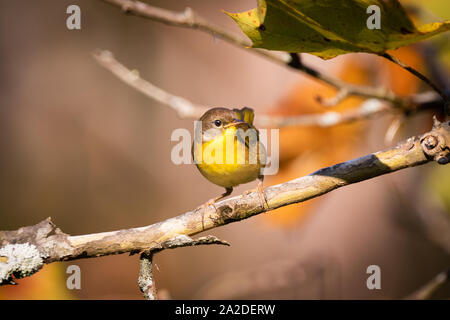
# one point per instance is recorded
(79, 145)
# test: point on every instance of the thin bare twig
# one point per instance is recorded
(428, 289)
(394, 128)
(331, 102)
(368, 109)
(186, 109)
(183, 107)
(189, 19)
(420, 76)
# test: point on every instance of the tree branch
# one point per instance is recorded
(145, 281)
(54, 245)
(189, 19)
(341, 95)
(183, 107)
(186, 109)
(421, 77)
(428, 289)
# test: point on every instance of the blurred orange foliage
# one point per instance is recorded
(47, 284)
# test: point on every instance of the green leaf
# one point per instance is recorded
(327, 28)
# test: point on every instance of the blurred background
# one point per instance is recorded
(79, 145)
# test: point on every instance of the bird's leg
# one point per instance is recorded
(212, 201)
(260, 190)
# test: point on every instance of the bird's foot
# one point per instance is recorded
(260, 190)
(212, 202)
(203, 207)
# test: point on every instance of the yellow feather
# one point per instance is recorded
(232, 170)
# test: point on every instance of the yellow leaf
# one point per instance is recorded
(328, 28)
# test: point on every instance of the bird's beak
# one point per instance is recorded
(235, 123)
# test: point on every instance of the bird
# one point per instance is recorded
(241, 161)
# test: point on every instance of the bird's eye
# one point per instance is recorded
(217, 123)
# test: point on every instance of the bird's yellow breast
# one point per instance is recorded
(228, 165)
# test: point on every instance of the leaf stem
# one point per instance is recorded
(421, 77)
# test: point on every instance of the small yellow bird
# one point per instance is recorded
(227, 150)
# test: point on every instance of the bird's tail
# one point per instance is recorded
(245, 114)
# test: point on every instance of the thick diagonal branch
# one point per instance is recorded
(54, 245)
